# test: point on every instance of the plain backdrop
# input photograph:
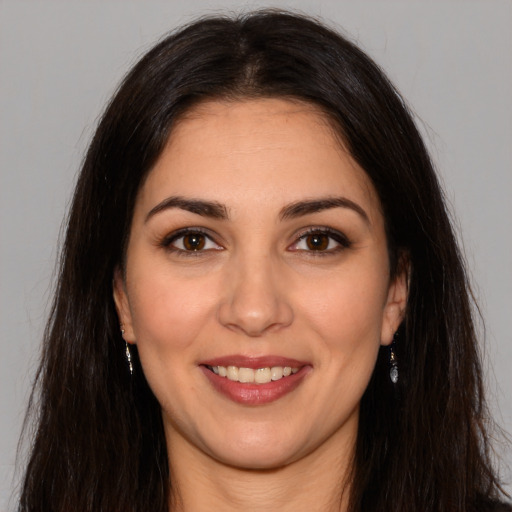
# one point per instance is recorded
(60, 61)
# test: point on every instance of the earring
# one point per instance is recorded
(128, 353)
(129, 359)
(393, 363)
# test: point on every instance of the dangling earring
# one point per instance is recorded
(128, 354)
(393, 363)
(129, 359)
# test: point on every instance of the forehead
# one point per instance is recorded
(256, 150)
(257, 121)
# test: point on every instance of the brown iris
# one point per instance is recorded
(317, 242)
(194, 241)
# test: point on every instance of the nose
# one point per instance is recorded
(254, 300)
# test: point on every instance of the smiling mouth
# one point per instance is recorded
(253, 376)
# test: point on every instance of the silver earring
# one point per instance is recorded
(128, 353)
(129, 358)
(393, 363)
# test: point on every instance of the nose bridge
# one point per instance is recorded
(255, 300)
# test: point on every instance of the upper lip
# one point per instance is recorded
(253, 362)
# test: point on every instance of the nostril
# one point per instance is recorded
(254, 298)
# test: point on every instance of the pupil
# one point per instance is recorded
(317, 242)
(194, 242)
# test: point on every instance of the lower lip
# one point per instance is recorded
(255, 394)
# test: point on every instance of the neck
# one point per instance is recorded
(318, 481)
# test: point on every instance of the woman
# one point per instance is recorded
(261, 302)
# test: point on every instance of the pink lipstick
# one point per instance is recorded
(254, 380)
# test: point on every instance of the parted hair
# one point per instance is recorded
(97, 440)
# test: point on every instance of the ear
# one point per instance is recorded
(394, 311)
(123, 306)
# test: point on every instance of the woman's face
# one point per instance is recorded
(257, 250)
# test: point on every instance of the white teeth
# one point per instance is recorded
(248, 375)
(276, 372)
(232, 373)
(245, 375)
(262, 376)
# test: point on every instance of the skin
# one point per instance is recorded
(257, 288)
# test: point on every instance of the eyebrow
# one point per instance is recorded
(201, 207)
(301, 208)
(216, 210)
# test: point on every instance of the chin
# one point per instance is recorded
(258, 452)
(257, 459)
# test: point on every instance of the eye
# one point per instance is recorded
(321, 241)
(190, 241)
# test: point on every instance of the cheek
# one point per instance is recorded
(168, 311)
(349, 327)
(346, 314)
(347, 305)
(168, 315)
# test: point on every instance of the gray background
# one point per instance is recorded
(59, 62)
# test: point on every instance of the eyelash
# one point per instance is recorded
(182, 233)
(338, 237)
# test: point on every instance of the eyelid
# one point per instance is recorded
(169, 239)
(340, 238)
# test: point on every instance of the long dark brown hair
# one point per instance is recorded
(98, 442)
